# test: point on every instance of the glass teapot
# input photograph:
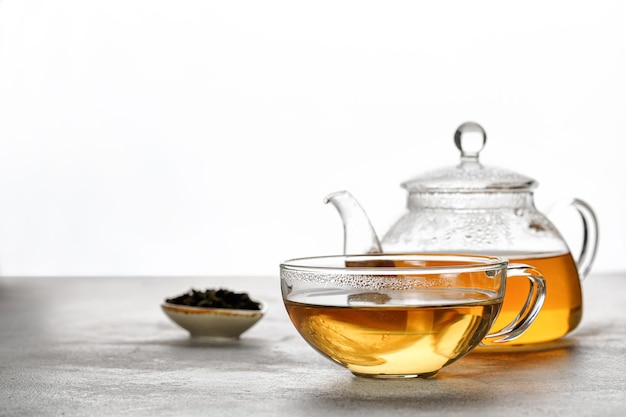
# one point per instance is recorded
(473, 208)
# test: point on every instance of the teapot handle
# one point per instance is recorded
(590, 235)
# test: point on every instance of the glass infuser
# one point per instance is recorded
(480, 209)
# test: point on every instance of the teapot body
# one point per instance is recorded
(505, 224)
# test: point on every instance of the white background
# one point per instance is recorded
(196, 137)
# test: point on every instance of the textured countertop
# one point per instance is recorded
(101, 346)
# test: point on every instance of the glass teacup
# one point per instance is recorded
(403, 316)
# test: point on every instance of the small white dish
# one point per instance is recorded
(213, 323)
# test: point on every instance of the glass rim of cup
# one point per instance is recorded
(463, 263)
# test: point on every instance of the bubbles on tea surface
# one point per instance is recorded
(375, 283)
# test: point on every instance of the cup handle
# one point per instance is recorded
(590, 234)
(531, 308)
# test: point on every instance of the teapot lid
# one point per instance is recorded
(470, 175)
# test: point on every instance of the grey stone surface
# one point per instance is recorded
(101, 347)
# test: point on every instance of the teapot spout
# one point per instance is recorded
(359, 235)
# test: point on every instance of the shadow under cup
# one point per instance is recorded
(402, 316)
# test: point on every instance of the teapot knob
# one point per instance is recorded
(470, 139)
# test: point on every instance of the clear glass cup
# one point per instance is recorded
(403, 315)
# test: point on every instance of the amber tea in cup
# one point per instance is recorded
(402, 316)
